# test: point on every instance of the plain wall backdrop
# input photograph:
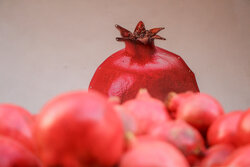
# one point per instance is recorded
(48, 47)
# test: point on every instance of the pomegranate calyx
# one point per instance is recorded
(140, 34)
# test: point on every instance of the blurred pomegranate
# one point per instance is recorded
(17, 123)
(239, 158)
(182, 136)
(153, 153)
(79, 129)
(14, 154)
(216, 155)
(244, 128)
(200, 110)
(224, 129)
(146, 112)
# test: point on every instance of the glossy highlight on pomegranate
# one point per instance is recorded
(142, 65)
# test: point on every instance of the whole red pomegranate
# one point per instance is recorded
(244, 128)
(14, 154)
(184, 137)
(146, 112)
(224, 129)
(17, 123)
(216, 155)
(200, 110)
(153, 153)
(239, 157)
(79, 129)
(142, 65)
(174, 100)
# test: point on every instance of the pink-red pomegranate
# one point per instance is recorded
(200, 110)
(79, 129)
(14, 154)
(224, 129)
(146, 112)
(174, 100)
(216, 155)
(184, 137)
(153, 153)
(244, 128)
(142, 65)
(239, 157)
(17, 123)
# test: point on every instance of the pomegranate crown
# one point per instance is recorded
(140, 34)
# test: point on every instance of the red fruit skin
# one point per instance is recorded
(14, 154)
(79, 129)
(200, 110)
(153, 153)
(244, 128)
(216, 155)
(239, 158)
(143, 65)
(174, 100)
(17, 123)
(184, 137)
(146, 111)
(224, 129)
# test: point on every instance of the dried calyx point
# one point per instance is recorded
(140, 34)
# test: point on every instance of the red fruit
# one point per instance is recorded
(216, 155)
(79, 129)
(146, 111)
(244, 128)
(153, 153)
(142, 65)
(184, 137)
(17, 123)
(14, 154)
(174, 100)
(224, 129)
(200, 110)
(239, 158)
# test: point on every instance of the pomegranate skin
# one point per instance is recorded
(78, 129)
(224, 129)
(14, 154)
(153, 153)
(146, 112)
(244, 128)
(216, 155)
(200, 110)
(239, 158)
(17, 123)
(142, 65)
(184, 137)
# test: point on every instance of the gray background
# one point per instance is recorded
(52, 46)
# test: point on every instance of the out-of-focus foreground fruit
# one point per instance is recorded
(79, 129)
(17, 123)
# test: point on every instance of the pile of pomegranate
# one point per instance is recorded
(89, 129)
(143, 109)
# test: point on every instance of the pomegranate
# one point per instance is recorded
(14, 154)
(224, 129)
(174, 100)
(79, 129)
(146, 111)
(200, 110)
(216, 155)
(142, 65)
(17, 123)
(239, 158)
(153, 153)
(244, 128)
(184, 137)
